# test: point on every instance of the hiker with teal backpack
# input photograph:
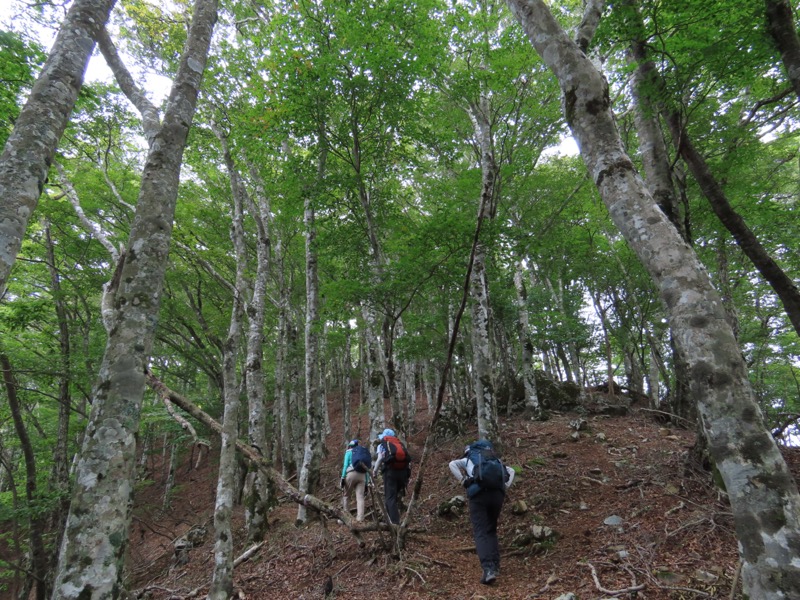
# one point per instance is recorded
(486, 480)
(355, 475)
(394, 462)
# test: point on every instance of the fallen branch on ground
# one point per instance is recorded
(600, 588)
(263, 465)
(410, 579)
(247, 554)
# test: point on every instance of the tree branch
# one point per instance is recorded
(151, 120)
(263, 465)
(589, 24)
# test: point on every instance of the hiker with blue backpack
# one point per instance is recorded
(355, 475)
(394, 462)
(486, 480)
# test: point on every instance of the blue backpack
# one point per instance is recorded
(361, 459)
(489, 472)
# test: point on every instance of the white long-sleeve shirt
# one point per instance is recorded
(463, 467)
(379, 460)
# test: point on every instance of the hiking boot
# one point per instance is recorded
(488, 577)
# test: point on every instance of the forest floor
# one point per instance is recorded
(630, 521)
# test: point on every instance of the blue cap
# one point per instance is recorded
(352, 443)
(385, 433)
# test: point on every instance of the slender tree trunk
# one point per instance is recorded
(563, 360)
(568, 357)
(92, 554)
(410, 375)
(31, 146)
(282, 380)
(346, 369)
(504, 354)
(227, 478)
(602, 314)
(60, 475)
(724, 284)
(258, 505)
(385, 344)
(633, 368)
(528, 379)
(296, 399)
(547, 365)
(312, 452)
(35, 520)
(222, 578)
(151, 119)
(653, 382)
(170, 483)
(257, 502)
(764, 497)
(658, 172)
(322, 385)
(431, 383)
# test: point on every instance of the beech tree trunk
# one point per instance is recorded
(602, 315)
(170, 480)
(59, 480)
(764, 497)
(346, 370)
(725, 285)
(430, 379)
(31, 146)
(222, 579)
(92, 553)
(38, 572)
(481, 350)
(528, 378)
(283, 405)
(258, 505)
(384, 344)
(374, 375)
(657, 167)
(312, 449)
(653, 381)
(296, 397)
(653, 148)
(257, 500)
(151, 119)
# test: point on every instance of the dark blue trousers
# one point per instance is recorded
(394, 485)
(484, 510)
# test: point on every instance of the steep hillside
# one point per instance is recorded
(626, 517)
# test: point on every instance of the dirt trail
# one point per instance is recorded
(624, 512)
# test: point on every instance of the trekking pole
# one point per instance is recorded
(377, 495)
(371, 491)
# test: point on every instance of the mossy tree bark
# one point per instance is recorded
(96, 536)
(764, 497)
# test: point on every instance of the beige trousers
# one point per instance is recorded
(358, 482)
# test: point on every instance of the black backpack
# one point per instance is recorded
(361, 459)
(488, 472)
